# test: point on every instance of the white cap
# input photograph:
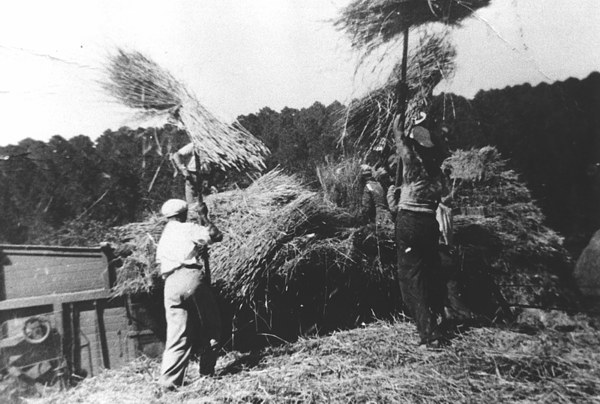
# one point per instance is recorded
(173, 207)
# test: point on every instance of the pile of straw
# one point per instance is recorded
(370, 118)
(289, 261)
(292, 262)
(381, 363)
(499, 227)
(135, 255)
(341, 183)
(140, 83)
(372, 23)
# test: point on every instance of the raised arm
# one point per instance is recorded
(178, 158)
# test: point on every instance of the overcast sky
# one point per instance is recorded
(240, 56)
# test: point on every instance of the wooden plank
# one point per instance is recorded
(32, 271)
(30, 286)
(59, 318)
(56, 268)
(121, 349)
(46, 249)
(42, 276)
(54, 299)
(102, 334)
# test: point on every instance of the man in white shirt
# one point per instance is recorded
(182, 255)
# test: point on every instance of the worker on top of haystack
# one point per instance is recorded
(192, 314)
(193, 171)
(417, 230)
(374, 208)
(208, 188)
(190, 171)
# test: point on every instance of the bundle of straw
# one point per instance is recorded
(140, 83)
(266, 225)
(341, 184)
(507, 233)
(370, 118)
(291, 261)
(288, 256)
(372, 23)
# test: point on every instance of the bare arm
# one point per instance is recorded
(178, 163)
(178, 157)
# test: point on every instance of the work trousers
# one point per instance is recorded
(417, 236)
(192, 321)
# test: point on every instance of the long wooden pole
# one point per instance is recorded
(402, 95)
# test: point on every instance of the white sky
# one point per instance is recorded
(240, 56)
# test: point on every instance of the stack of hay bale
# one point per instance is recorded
(499, 230)
(587, 272)
(290, 263)
(293, 263)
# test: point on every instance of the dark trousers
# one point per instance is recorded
(417, 237)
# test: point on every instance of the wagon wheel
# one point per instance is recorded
(36, 330)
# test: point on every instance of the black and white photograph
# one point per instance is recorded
(318, 201)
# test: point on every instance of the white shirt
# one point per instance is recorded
(177, 243)
(188, 151)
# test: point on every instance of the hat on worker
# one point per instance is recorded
(422, 136)
(173, 207)
(366, 170)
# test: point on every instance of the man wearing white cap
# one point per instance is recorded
(182, 255)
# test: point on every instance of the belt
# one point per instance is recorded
(171, 272)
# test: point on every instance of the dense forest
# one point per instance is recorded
(66, 191)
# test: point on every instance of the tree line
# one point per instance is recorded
(50, 190)
(550, 133)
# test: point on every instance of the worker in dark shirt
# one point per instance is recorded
(417, 230)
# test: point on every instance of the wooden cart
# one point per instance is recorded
(57, 316)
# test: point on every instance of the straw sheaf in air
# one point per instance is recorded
(140, 83)
(370, 118)
(372, 23)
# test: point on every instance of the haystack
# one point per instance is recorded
(499, 229)
(291, 262)
(139, 83)
(587, 270)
